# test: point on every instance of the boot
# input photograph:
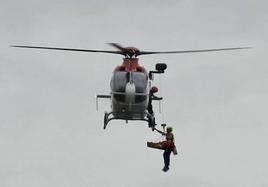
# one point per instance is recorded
(165, 169)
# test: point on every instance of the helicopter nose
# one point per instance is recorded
(130, 92)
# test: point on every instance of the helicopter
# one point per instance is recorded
(132, 92)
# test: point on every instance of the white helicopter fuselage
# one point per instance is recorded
(130, 95)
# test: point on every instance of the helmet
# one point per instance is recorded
(154, 89)
(169, 129)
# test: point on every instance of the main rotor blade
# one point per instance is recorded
(117, 46)
(69, 49)
(189, 51)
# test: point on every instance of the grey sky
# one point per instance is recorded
(51, 135)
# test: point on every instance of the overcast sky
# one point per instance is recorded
(51, 134)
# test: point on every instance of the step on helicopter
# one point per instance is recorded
(132, 92)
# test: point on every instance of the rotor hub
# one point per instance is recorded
(130, 52)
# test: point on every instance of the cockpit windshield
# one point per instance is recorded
(140, 81)
(119, 81)
(121, 78)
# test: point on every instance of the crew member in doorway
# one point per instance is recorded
(153, 90)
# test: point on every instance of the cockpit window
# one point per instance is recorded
(140, 98)
(120, 97)
(140, 81)
(119, 81)
(121, 78)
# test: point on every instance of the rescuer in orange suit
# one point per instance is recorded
(168, 146)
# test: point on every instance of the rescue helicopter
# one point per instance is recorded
(132, 92)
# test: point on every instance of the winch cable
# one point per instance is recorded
(161, 103)
(160, 137)
(161, 111)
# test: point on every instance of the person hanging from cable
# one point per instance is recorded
(168, 145)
